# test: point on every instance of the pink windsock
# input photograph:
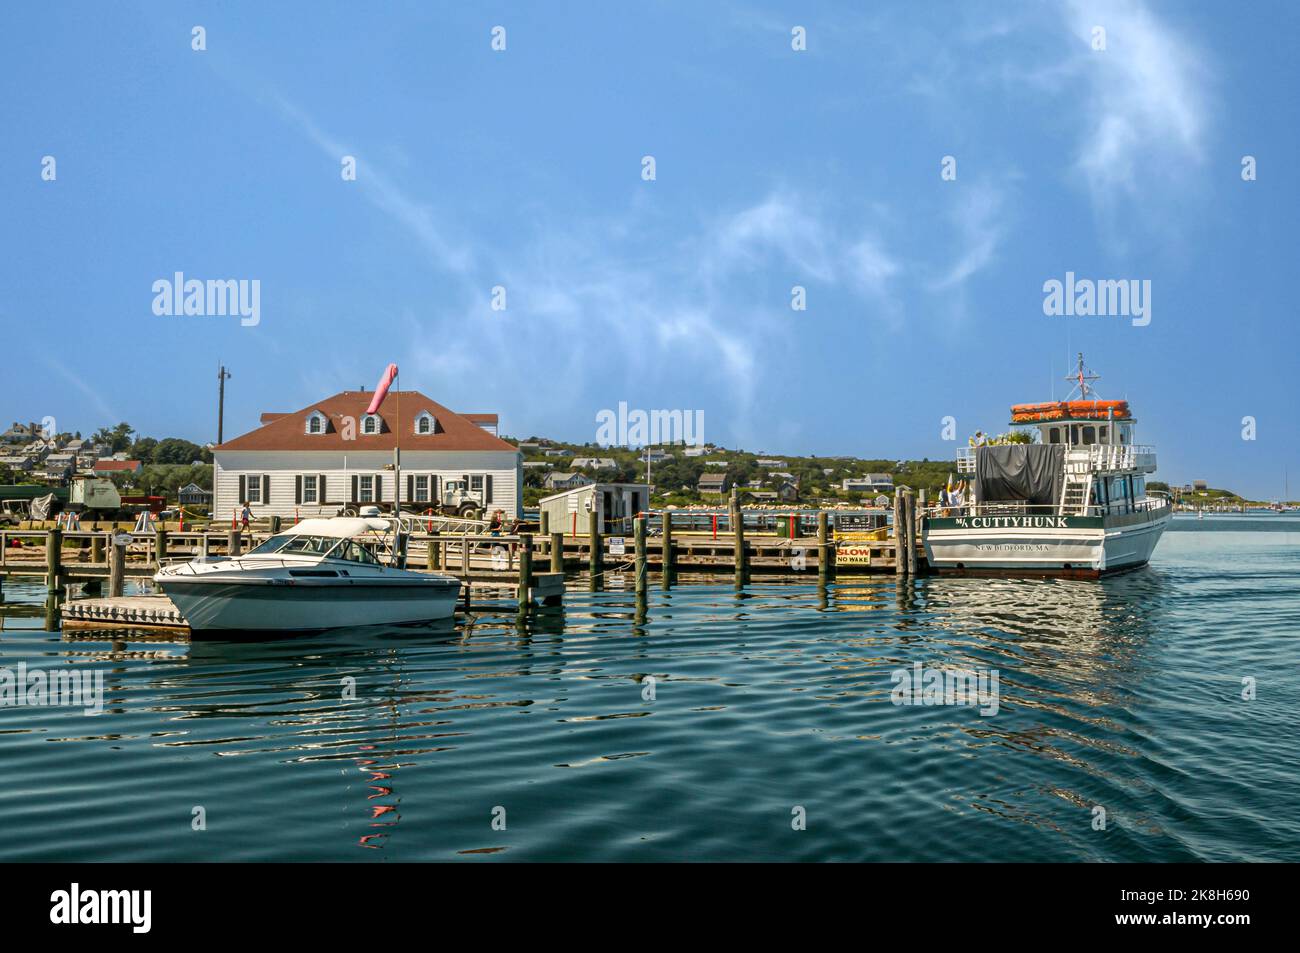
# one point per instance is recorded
(385, 381)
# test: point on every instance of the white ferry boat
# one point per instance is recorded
(1072, 501)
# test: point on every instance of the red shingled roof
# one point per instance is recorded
(106, 465)
(289, 431)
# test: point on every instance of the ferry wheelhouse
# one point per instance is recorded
(1072, 501)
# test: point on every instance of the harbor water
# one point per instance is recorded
(1150, 716)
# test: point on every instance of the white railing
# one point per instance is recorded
(1103, 458)
(966, 459)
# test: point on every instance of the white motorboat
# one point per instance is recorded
(1067, 500)
(319, 574)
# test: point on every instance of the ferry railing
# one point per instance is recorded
(1104, 457)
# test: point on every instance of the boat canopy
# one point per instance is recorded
(342, 527)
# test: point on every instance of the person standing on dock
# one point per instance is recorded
(245, 515)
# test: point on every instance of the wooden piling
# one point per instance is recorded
(431, 553)
(638, 535)
(911, 534)
(116, 569)
(233, 542)
(525, 568)
(900, 534)
(557, 552)
(544, 523)
(97, 549)
(738, 534)
(160, 547)
(53, 559)
(666, 551)
(595, 564)
(825, 556)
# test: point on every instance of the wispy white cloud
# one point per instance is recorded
(978, 221)
(1147, 97)
(415, 216)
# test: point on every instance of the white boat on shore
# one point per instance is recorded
(319, 574)
(1071, 501)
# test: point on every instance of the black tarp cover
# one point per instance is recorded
(1033, 472)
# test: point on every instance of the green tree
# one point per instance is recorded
(176, 451)
(117, 439)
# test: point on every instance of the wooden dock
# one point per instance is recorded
(156, 611)
(93, 558)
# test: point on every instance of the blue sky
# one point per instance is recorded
(775, 168)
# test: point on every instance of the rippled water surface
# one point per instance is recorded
(1124, 694)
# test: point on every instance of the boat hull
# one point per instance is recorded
(1082, 546)
(211, 605)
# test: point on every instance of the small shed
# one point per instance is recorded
(614, 505)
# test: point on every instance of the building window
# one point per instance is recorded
(476, 484)
(425, 424)
(370, 424)
(309, 489)
(315, 424)
(253, 489)
(421, 489)
(366, 489)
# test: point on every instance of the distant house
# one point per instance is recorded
(713, 483)
(559, 453)
(788, 492)
(781, 475)
(762, 496)
(529, 445)
(194, 495)
(594, 463)
(21, 433)
(767, 462)
(537, 465)
(106, 467)
(715, 463)
(555, 480)
(16, 461)
(58, 465)
(697, 451)
(1200, 485)
(871, 483)
(655, 455)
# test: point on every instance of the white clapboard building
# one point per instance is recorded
(331, 454)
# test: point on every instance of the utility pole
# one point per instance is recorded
(222, 376)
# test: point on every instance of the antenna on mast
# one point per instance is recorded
(1082, 379)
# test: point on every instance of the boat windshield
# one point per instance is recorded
(355, 552)
(294, 544)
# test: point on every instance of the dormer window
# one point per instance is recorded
(317, 423)
(425, 423)
(371, 424)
